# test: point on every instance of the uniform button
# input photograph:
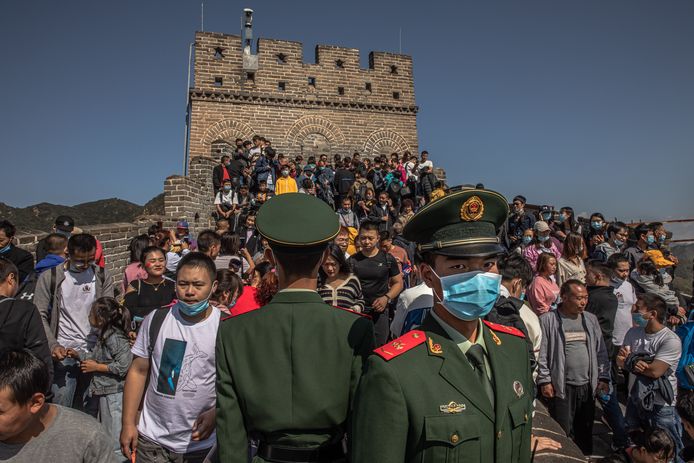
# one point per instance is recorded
(454, 439)
(525, 417)
(498, 435)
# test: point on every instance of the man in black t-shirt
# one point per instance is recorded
(380, 278)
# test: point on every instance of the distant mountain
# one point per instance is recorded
(41, 217)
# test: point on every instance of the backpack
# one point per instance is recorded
(685, 367)
(28, 288)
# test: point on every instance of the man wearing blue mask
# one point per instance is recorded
(175, 349)
(651, 352)
(64, 296)
(19, 257)
(644, 239)
(458, 388)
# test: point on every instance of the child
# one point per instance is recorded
(109, 361)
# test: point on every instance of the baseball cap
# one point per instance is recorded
(541, 226)
(64, 223)
(182, 224)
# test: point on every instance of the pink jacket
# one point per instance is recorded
(532, 254)
(543, 294)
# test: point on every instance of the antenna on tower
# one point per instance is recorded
(400, 40)
(202, 16)
(250, 60)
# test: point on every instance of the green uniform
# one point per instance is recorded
(426, 405)
(287, 372)
(433, 396)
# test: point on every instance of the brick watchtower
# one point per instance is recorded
(331, 106)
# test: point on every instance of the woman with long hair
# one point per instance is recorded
(570, 265)
(566, 223)
(543, 292)
(233, 255)
(338, 286)
(247, 300)
(229, 288)
(134, 270)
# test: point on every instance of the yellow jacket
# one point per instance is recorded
(285, 185)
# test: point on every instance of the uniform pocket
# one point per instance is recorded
(451, 438)
(519, 419)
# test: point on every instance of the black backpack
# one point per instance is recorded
(28, 288)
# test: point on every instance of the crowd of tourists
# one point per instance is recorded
(593, 298)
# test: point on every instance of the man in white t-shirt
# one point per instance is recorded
(660, 348)
(64, 296)
(178, 412)
(425, 162)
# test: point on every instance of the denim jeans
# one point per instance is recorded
(662, 416)
(110, 414)
(70, 384)
(614, 417)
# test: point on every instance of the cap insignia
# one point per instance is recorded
(472, 209)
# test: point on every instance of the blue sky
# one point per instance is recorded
(581, 103)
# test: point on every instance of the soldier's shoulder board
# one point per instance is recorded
(504, 329)
(351, 311)
(401, 345)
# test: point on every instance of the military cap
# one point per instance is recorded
(463, 224)
(297, 220)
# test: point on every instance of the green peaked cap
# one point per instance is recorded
(297, 220)
(463, 224)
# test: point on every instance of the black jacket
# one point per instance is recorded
(377, 213)
(218, 176)
(603, 304)
(344, 179)
(21, 328)
(506, 312)
(22, 259)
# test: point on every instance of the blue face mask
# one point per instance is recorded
(650, 239)
(562, 217)
(618, 243)
(638, 320)
(470, 295)
(194, 309)
(227, 188)
(5, 249)
(522, 296)
(546, 217)
(542, 239)
(596, 225)
(527, 239)
(662, 238)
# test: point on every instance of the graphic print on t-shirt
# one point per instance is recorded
(176, 368)
(172, 356)
(186, 381)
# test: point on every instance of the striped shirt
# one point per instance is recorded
(347, 296)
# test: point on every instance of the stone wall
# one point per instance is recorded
(331, 106)
(114, 237)
(191, 197)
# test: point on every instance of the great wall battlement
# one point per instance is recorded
(331, 106)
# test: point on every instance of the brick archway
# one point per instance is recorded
(385, 142)
(309, 125)
(227, 130)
